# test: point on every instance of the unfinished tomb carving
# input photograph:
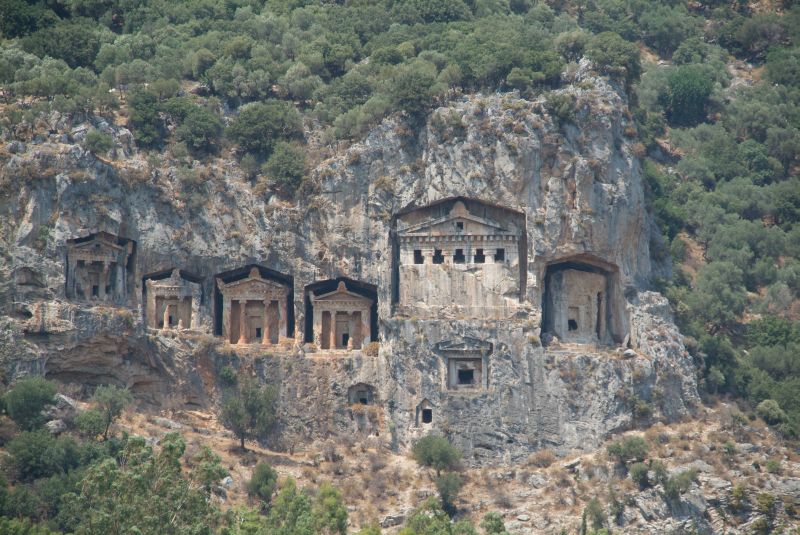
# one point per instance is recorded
(173, 302)
(581, 303)
(467, 363)
(254, 309)
(342, 318)
(100, 267)
(462, 256)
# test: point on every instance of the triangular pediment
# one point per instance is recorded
(341, 293)
(449, 226)
(99, 243)
(466, 344)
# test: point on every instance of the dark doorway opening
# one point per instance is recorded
(427, 416)
(480, 258)
(500, 255)
(438, 257)
(459, 257)
(466, 377)
(418, 258)
(573, 325)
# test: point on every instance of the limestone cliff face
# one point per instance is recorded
(575, 183)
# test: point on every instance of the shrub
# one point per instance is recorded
(263, 482)
(286, 166)
(765, 503)
(449, 485)
(595, 514)
(492, 524)
(249, 411)
(26, 400)
(200, 130)
(773, 466)
(679, 483)
(90, 423)
(436, 452)
(98, 142)
(769, 411)
(638, 473)
(628, 449)
(227, 376)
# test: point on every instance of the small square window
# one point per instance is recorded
(500, 255)
(459, 257)
(418, 258)
(460, 225)
(480, 258)
(466, 377)
(438, 257)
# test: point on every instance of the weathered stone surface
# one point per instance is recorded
(576, 184)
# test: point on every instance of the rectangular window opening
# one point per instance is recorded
(345, 339)
(438, 257)
(500, 255)
(95, 290)
(466, 377)
(418, 258)
(460, 225)
(171, 321)
(427, 416)
(459, 257)
(480, 258)
(258, 330)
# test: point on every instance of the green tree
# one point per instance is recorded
(679, 484)
(615, 56)
(263, 482)
(26, 400)
(449, 485)
(75, 41)
(330, 513)
(411, 87)
(638, 473)
(200, 130)
(98, 142)
(143, 114)
(90, 423)
(436, 452)
(291, 513)
(286, 165)
(261, 124)
(249, 410)
(37, 454)
(595, 514)
(110, 401)
(769, 411)
(148, 492)
(686, 96)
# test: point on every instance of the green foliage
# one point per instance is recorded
(37, 454)
(249, 410)
(430, 519)
(435, 451)
(90, 423)
(26, 400)
(638, 473)
(98, 142)
(765, 503)
(290, 513)
(330, 513)
(110, 401)
(492, 524)
(411, 87)
(263, 482)
(679, 484)
(595, 514)
(201, 130)
(75, 41)
(666, 27)
(628, 449)
(148, 491)
(769, 411)
(143, 113)
(13, 526)
(615, 56)
(227, 376)
(286, 165)
(260, 125)
(686, 95)
(448, 485)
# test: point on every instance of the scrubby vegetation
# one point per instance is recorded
(716, 98)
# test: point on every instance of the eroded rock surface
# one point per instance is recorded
(480, 375)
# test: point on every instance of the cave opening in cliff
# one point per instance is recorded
(578, 303)
(238, 315)
(341, 313)
(362, 394)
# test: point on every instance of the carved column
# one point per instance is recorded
(166, 315)
(317, 328)
(366, 321)
(351, 328)
(282, 318)
(226, 318)
(150, 310)
(102, 282)
(243, 322)
(265, 338)
(73, 265)
(333, 330)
